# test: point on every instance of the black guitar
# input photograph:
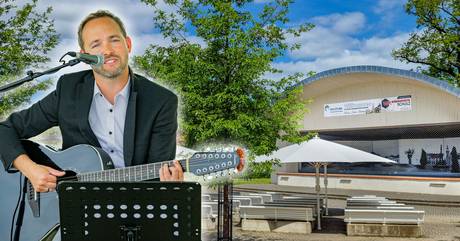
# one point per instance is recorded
(88, 163)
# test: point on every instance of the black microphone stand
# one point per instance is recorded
(20, 218)
(31, 75)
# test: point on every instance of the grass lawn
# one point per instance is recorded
(252, 181)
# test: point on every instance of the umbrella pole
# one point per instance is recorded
(325, 188)
(318, 189)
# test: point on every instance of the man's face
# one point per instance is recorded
(103, 36)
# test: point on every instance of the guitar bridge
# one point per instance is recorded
(33, 199)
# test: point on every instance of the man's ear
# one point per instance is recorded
(82, 51)
(129, 43)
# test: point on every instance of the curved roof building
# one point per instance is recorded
(380, 103)
(390, 112)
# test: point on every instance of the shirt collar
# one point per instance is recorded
(124, 92)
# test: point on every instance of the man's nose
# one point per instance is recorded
(107, 48)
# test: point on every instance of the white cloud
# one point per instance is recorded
(334, 43)
(345, 59)
(389, 10)
(332, 35)
(137, 17)
(322, 42)
(386, 6)
(382, 47)
(342, 23)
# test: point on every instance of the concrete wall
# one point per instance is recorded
(286, 167)
(426, 187)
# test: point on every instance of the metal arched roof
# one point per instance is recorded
(442, 85)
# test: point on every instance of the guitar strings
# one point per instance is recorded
(138, 170)
(138, 173)
(155, 167)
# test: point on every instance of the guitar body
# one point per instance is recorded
(77, 159)
(90, 164)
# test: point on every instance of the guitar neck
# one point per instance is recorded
(127, 174)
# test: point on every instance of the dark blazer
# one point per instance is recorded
(150, 125)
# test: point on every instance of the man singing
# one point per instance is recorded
(131, 118)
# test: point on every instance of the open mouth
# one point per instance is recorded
(110, 61)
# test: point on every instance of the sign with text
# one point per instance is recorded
(362, 107)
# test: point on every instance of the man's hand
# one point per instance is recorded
(43, 178)
(171, 173)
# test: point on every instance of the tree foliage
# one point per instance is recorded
(222, 82)
(26, 36)
(261, 169)
(436, 44)
(423, 160)
(455, 164)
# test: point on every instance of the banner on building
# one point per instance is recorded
(362, 107)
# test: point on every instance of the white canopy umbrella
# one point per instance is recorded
(279, 154)
(319, 153)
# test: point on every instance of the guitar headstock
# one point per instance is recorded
(203, 163)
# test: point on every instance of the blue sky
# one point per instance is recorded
(347, 32)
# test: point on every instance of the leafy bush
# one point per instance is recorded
(261, 169)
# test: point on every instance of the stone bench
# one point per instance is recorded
(254, 199)
(384, 216)
(276, 219)
(277, 213)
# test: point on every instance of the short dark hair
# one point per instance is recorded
(99, 14)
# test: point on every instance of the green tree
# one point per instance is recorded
(223, 84)
(423, 160)
(26, 36)
(455, 164)
(436, 44)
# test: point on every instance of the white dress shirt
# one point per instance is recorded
(107, 121)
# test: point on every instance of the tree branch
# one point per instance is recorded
(418, 61)
(443, 8)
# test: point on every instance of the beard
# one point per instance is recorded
(111, 74)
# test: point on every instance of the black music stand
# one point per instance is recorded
(136, 211)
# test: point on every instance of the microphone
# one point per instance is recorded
(95, 60)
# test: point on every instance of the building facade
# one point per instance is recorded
(391, 112)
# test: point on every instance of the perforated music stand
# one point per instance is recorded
(138, 211)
